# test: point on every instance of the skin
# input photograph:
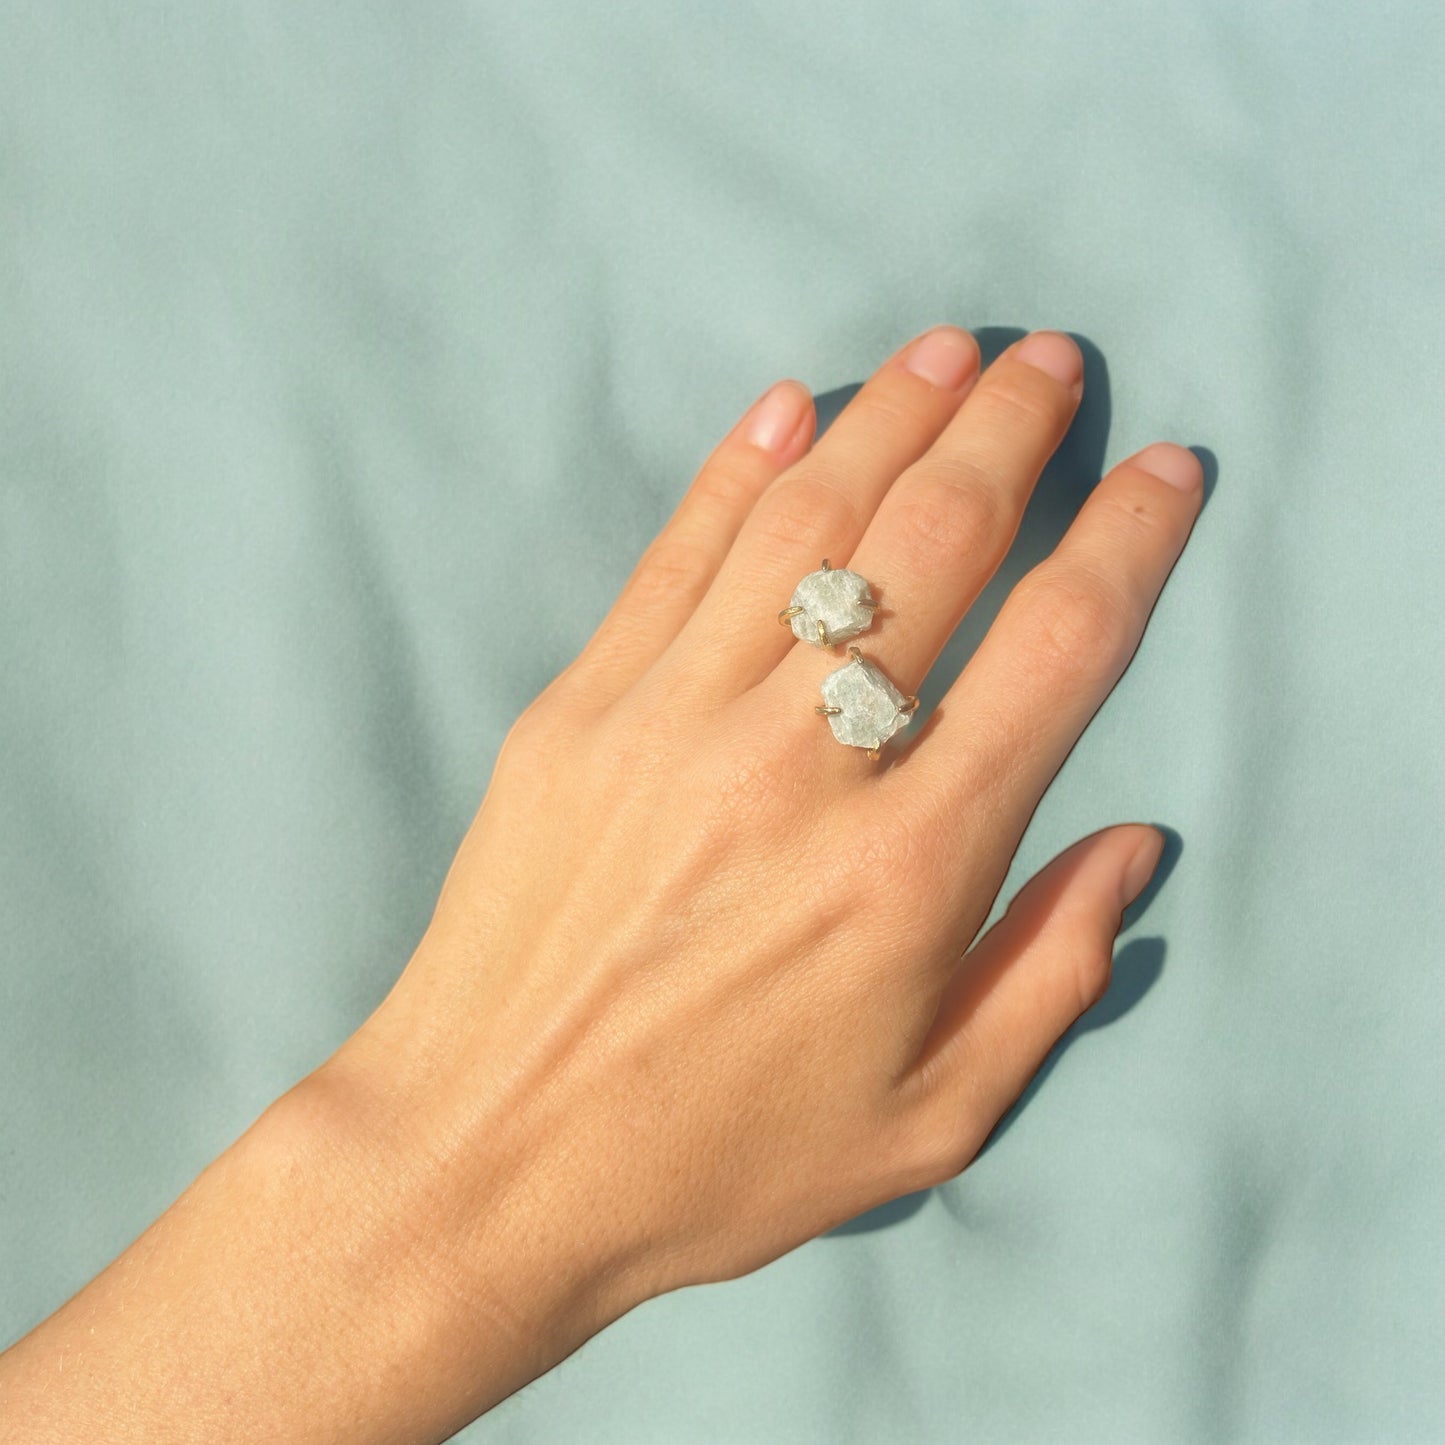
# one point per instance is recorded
(701, 983)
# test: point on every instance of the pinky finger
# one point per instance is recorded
(1021, 986)
(681, 561)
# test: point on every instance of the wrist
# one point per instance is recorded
(335, 1273)
(503, 1274)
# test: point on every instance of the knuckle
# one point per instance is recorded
(935, 1129)
(1018, 403)
(535, 729)
(673, 564)
(938, 1150)
(1075, 618)
(1093, 970)
(949, 520)
(807, 507)
(725, 484)
(884, 409)
(878, 410)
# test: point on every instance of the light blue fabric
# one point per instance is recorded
(349, 355)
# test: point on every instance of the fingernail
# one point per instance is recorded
(1141, 866)
(1054, 354)
(1173, 464)
(943, 357)
(777, 415)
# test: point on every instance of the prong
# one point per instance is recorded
(869, 603)
(826, 710)
(825, 567)
(822, 634)
(873, 753)
(788, 613)
(909, 704)
(854, 652)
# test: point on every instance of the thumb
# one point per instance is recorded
(1018, 989)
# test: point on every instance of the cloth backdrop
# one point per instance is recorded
(349, 356)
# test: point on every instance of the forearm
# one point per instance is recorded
(321, 1280)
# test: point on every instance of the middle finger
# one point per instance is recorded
(818, 508)
(948, 521)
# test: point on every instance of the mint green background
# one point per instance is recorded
(348, 358)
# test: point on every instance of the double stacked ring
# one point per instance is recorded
(864, 709)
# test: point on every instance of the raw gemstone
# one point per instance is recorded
(869, 701)
(833, 597)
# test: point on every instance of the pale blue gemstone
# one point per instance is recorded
(832, 596)
(871, 705)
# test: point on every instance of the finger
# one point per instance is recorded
(1060, 642)
(1016, 992)
(819, 509)
(949, 520)
(674, 572)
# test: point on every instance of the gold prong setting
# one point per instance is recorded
(862, 706)
(830, 606)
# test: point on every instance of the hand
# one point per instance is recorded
(699, 984)
(701, 967)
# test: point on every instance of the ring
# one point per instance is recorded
(863, 708)
(829, 606)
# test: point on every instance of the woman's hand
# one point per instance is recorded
(702, 967)
(699, 984)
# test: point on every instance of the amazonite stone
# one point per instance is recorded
(834, 597)
(871, 707)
